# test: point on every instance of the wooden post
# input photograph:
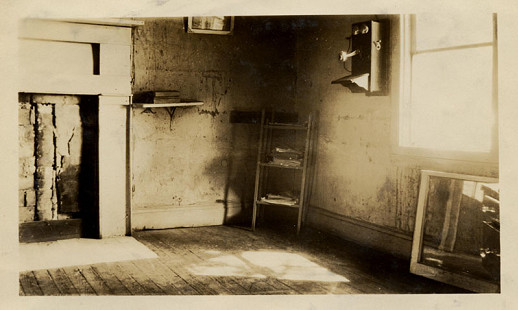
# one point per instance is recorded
(113, 207)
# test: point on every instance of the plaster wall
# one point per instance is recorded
(197, 157)
(360, 178)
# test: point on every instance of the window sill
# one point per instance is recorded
(458, 162)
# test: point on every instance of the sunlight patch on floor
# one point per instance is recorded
(260, 264)
(291, 266)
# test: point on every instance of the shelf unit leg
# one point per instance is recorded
(254, 216)
(311, 164)
(299, 220)
(258, 172)
(303, 189)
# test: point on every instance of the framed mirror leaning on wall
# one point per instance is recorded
(457, 231)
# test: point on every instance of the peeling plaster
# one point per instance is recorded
(211, 113)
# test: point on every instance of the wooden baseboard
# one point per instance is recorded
(162, 217)
(366, 234)
(50, 230)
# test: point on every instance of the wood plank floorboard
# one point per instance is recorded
(132, 285)
(46, 283)
(150, 287)
(65, 286)
(189, 256)
(150, 268)
(30, 284)
(80, 283)
(179, 284)
(222, 260)
(170, 258)
(97, 283)
(233, 286)
(115, 285)
(248, 285)
(20, 289)
(221, 236)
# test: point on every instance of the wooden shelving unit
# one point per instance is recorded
(303, 167)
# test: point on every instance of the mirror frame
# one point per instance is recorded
(436, 273)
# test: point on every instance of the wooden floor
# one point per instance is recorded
(223, 260)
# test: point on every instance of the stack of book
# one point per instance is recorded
(286, 157)
(162, 96)
(171, 96)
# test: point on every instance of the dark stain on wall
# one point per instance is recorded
(386, 192)
(211, 113)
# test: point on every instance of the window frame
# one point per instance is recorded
(402, 96)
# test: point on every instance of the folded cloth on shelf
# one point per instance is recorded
(287, 153)
(287, 162)
(286, 157)
(279, 199)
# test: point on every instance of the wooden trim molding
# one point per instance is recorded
(53, 30)
(59, 57)
(119, 22)
(367, 234)
(161, 217)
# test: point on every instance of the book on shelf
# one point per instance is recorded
(157, 97)
(166, 100)
(167, 93)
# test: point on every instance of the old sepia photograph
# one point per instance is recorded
(252, 157)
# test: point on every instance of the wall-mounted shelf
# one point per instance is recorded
(167, 105)
(171, 107)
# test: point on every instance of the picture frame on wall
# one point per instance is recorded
(223, 25)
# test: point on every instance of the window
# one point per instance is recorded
(448, 95)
